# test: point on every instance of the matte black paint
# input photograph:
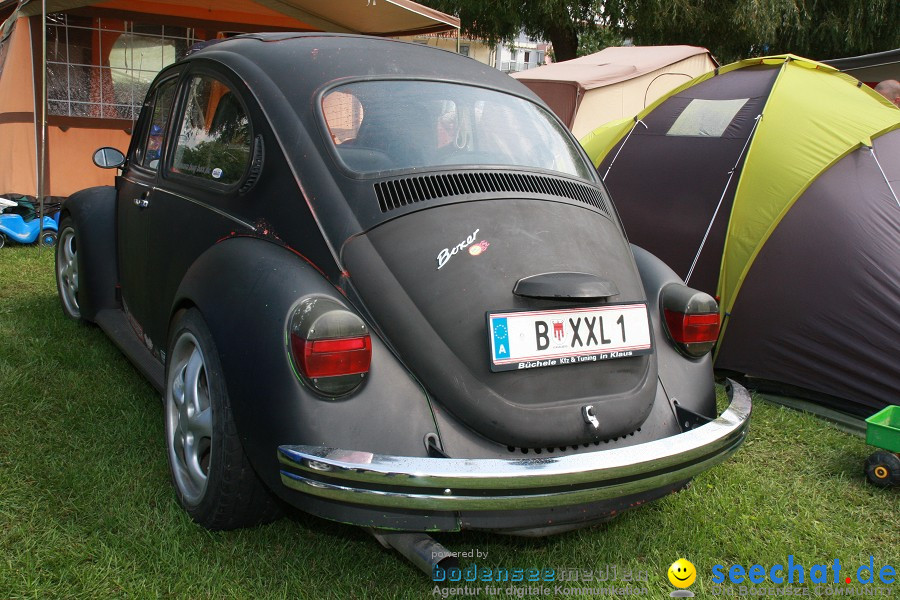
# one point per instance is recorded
(293, 76)
(432, 315)
(246, 259)
(689, 386)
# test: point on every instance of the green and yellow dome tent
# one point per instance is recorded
(772, 183)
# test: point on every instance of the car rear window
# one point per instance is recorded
(380, 126)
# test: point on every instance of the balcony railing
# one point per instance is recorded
(511, 66)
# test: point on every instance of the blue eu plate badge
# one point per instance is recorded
(500, 331)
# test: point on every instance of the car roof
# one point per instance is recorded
(301, 63)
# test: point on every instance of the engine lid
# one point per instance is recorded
(429, 279)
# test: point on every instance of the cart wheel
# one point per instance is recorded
(883, 468)
(49, 238)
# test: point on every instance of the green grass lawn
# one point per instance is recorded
(86, 508)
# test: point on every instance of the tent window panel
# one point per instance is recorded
(102, 68)
(706, 118)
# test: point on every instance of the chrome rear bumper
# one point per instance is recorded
(471, 484)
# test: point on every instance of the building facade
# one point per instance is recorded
(522, 54)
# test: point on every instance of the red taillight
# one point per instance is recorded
(330, 346)
(692, 329)
(692, 319)
(334, 357)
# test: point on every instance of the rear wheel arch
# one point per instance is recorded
(689, 381)
(178, 310)
(246, 289)
(655, 274)
(225, 278)
(226, 286)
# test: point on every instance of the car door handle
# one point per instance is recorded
(143, 201)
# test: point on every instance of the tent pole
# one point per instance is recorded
(721, 198)
(42, 174)
(886, 180)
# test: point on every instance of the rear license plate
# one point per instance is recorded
(547, 338)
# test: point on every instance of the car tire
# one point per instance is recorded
(49, 239)
(883, 468)
(67, 269)
(2, 240)
(213, 479)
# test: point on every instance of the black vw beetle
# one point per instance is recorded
(382, 283)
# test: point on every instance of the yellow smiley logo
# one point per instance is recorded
(682, 573)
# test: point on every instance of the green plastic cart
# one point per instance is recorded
(883, 431)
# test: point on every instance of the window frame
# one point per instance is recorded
(175, 72)
(139, 137)
(130, 21)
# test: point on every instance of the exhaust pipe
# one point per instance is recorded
(419, 548)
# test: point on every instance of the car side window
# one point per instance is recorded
(154, 137)
(214, 138)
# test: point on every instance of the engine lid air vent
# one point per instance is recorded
(396, 193)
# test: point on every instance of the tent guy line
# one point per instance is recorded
(871, 149)
(636, 121)
(721, 199)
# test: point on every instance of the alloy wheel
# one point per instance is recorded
(189, 419)
(67, 272)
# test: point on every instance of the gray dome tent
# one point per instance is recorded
(772, 183)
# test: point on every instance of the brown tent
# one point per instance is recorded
(616, 82)
(101, 57)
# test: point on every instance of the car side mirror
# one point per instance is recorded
(109, 158)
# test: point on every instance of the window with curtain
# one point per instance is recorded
(102, 68)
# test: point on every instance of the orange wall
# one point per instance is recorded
(16, 85)
(17, 173)
(71, 154)
(69, 151)
(17, 154)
